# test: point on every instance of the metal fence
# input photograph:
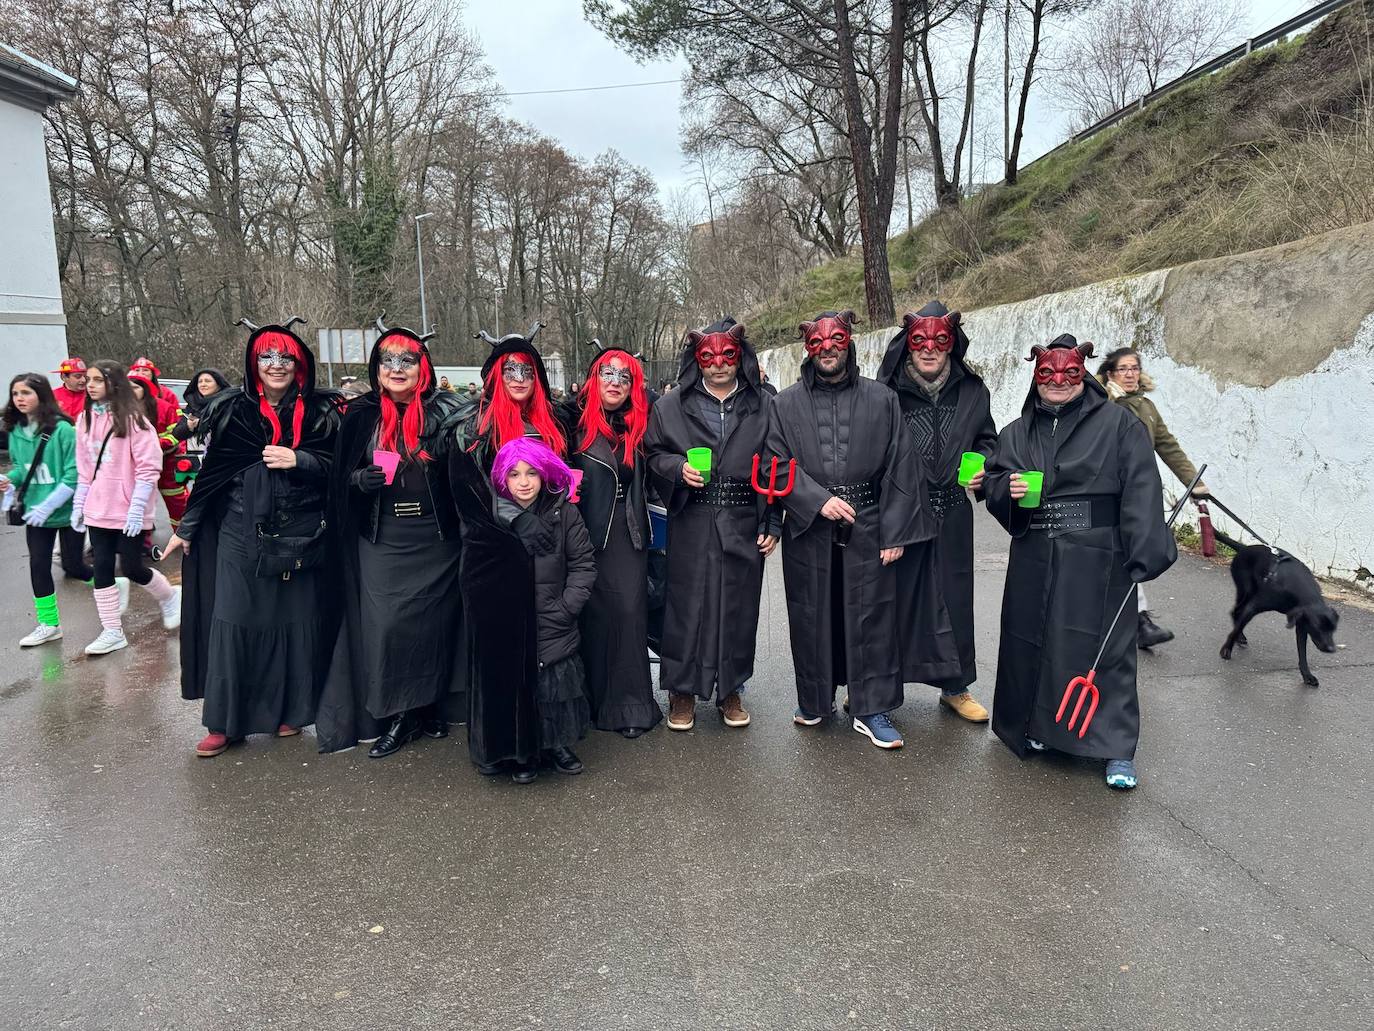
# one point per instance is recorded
(1231, 56)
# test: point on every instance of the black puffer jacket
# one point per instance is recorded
(563, 578)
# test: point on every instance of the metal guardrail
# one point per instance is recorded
(1231, 56)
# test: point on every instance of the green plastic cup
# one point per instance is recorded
(1035, 482)
(699, 458)
(970, 465)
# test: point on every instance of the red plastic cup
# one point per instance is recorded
(388, 460)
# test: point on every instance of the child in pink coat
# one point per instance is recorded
(118, 461)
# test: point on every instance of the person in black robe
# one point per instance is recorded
(948, 411)
(856, 504)
(515, 400)
(605, 426)
(258, 612)
(720, 532)
(1099, 530)
(399, 666)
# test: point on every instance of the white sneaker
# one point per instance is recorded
(41, 634)
(108, 641)
(171, 610)
(122, 582)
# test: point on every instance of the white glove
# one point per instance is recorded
(138, 504)
(79, 507)
(41, 512)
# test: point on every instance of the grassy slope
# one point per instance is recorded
(1218, 167)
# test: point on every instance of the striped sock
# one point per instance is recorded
(158, 586)
(47, 610)
(107, 604)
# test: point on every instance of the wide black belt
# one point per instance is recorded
(1076, 512)
(725, 493)
(942, 499)
(858, 495)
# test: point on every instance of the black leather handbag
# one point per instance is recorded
(280, 555)
(16, 513)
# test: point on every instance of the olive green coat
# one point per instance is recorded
(1166, 444)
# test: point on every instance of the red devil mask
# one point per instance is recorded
(1060, 365)
(829, 333)
(931, 332)
(718, 349)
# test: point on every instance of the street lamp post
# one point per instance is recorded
(420, 263)
(577, 342)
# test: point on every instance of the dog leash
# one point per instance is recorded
(1243, 524)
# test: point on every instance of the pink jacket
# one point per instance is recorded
(127, 460)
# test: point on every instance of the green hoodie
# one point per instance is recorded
(59, 466)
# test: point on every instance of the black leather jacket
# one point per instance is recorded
(600, 479)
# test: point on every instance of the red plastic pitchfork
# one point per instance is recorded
(1087, 690)
(773, 491)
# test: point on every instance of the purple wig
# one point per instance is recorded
(538, 456)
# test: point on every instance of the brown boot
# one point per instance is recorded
(681, 711)
(732, 711)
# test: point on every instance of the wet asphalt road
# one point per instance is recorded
(766, 878)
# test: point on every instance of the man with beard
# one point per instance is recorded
(720, 531)
(1098, 529)
(855, 506)
(947, 411)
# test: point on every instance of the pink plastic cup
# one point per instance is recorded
(576, 485)
(388, 460)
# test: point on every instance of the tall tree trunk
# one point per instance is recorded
(1013, 157)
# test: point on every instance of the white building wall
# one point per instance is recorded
(33, 334)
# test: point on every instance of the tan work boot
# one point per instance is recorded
(966, 706)
(681, 711)
(732, 711)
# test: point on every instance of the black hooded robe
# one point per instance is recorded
(849, 434)
(941, 431)
(402, 642)
(715, 570)
(1064, 585)
(256, 648)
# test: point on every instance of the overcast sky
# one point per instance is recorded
(546, 45)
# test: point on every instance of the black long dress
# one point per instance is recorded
(255, 648)
(842, 607)
(615, 622)
(1065, 582)
(715, 570)
(943, 427)
(402, 645)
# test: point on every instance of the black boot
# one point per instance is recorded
(525, 774)
(434, 723)
(565, 760)
(1148, 635)
(404, 729)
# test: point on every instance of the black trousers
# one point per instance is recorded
(40, 540)
(107, 544)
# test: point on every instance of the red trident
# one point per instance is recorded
(1089, 690)
(773, 491)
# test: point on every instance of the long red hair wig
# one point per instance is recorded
(506, 418)
(593, 422)
(412, 424)
(276, 340)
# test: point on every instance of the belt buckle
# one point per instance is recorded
(405, 509)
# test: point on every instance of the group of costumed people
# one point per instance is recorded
(387, 565)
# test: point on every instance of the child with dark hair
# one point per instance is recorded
(532, 486)
(38, 492)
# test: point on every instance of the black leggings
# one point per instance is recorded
(108, 543)
(40, 540)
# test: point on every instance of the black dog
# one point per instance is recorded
(1267, 581)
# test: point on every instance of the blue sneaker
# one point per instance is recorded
(804, 719)
(879, 730)
(1121, 774)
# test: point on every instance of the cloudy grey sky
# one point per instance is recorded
(546, 45)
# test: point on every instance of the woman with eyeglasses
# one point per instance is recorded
(1127, 384)
(258, 622)
(605, 424)
(398, 669)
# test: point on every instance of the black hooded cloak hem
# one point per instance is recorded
(1064, 586)
(849, 435)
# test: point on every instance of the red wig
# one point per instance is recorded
(507, 418)
(276, 340)
(413, 423)
(593, 422)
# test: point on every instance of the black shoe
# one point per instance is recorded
(632, 732)
(493, 769)
(565, 760)
(404, 729)
(1148, 635)
(525, 775)
(434, 727)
